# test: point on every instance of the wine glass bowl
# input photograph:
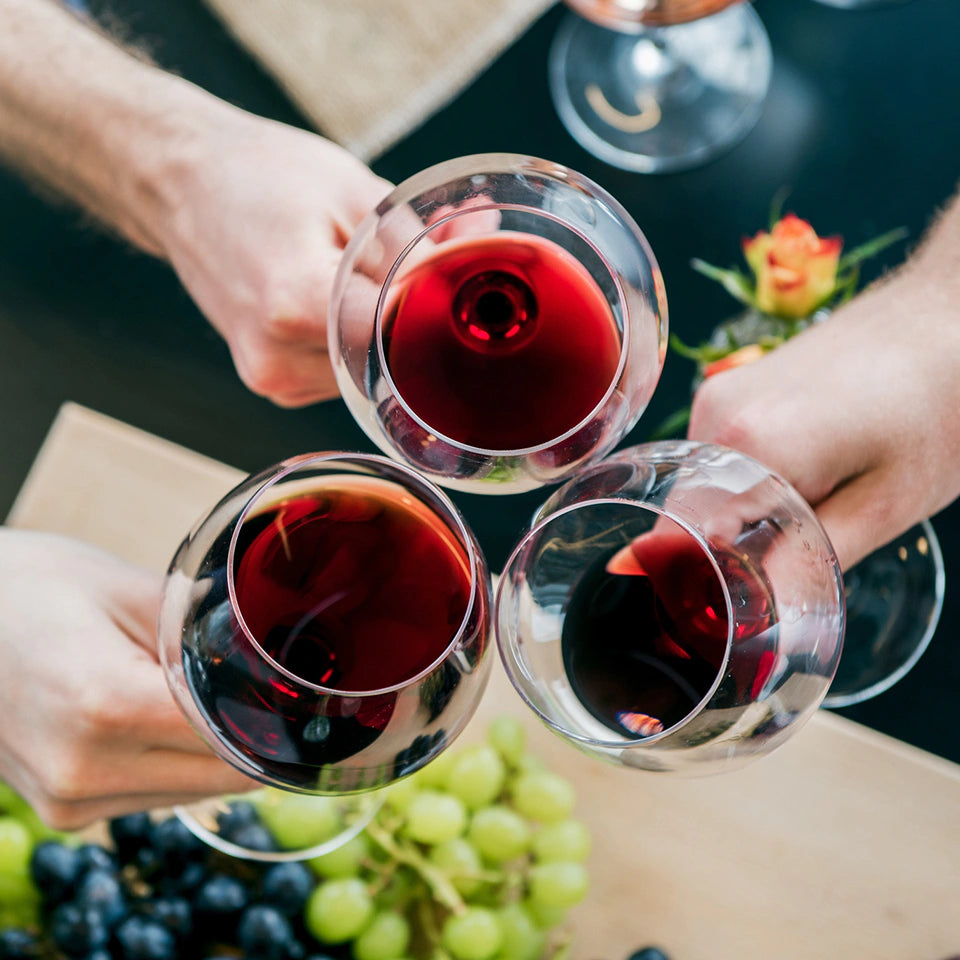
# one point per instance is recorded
(324, 628)
(674, 608)
(657, 86)
(497, 322)
(894, 598)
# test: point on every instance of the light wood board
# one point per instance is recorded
(843, 845)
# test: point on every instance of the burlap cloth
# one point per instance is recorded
(367, 72)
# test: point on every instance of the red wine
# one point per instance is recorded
(352, 585)
(645, 633)
(500, 342)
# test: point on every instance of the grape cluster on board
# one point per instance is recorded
(475, 857)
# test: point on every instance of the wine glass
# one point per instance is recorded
(497, 322)
(656, 86)
(324, 629)
(894, 598)
(677, 607)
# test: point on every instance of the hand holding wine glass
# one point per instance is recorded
(89, 727)
(858, 413)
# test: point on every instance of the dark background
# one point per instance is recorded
(862, 123)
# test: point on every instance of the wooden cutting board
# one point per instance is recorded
(843, 845)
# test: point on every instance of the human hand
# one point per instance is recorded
(261, 216)
(89, 728)
(858, 413)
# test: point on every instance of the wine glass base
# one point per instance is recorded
(664, 99)
(336, 821)
(894, 598)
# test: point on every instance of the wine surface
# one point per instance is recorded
(500, 342)
(644, 639)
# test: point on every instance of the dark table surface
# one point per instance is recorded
(862, 123)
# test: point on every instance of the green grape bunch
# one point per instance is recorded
(475, 857)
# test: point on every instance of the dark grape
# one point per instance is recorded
(101, 890)
(17, 944)
(78, 930)
(55, 870)
(130, 834)
(184, 883)
(264, 932)
(240, 813)
(287, 886)
(141, 938)
(174, 842)
(175, 913)
(93, 855)
(99, 955)
(648, 953)
(254, 836)
(221, 895)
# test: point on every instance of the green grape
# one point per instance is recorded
(39, 830)
(558, 884)
(546, 918)
(499, 833)
(11, 801)
(543, 796)
(531, 763)
(458, 856)
(16, 846)
(472, 935)
(522, 939)
(477, 776)
(508, 738)
(296, 820)
(563, 840)
(386, 937)
(434, 817)
(344, 861)
(399, 794)
(17, 890)
(436, 773)
(338, 910)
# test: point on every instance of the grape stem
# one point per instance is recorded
(443, 891)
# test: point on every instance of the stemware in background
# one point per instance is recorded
(497, 322)
(894, 598)
(325, 627)
(677, 608)
(656, 86)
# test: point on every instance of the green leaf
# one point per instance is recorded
(734, 281)
(870, 249)
(672, 426)
(705, 353)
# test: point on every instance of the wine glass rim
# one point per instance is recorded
(624, 331)
(623, 742)
(294, 464)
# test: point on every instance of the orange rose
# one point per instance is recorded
(795, 269)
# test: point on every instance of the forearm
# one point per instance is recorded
(83, 117)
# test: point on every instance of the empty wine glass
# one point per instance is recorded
(659, 85)
(324, 629)
(894, 598)
(497, 322)
(677, 607)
